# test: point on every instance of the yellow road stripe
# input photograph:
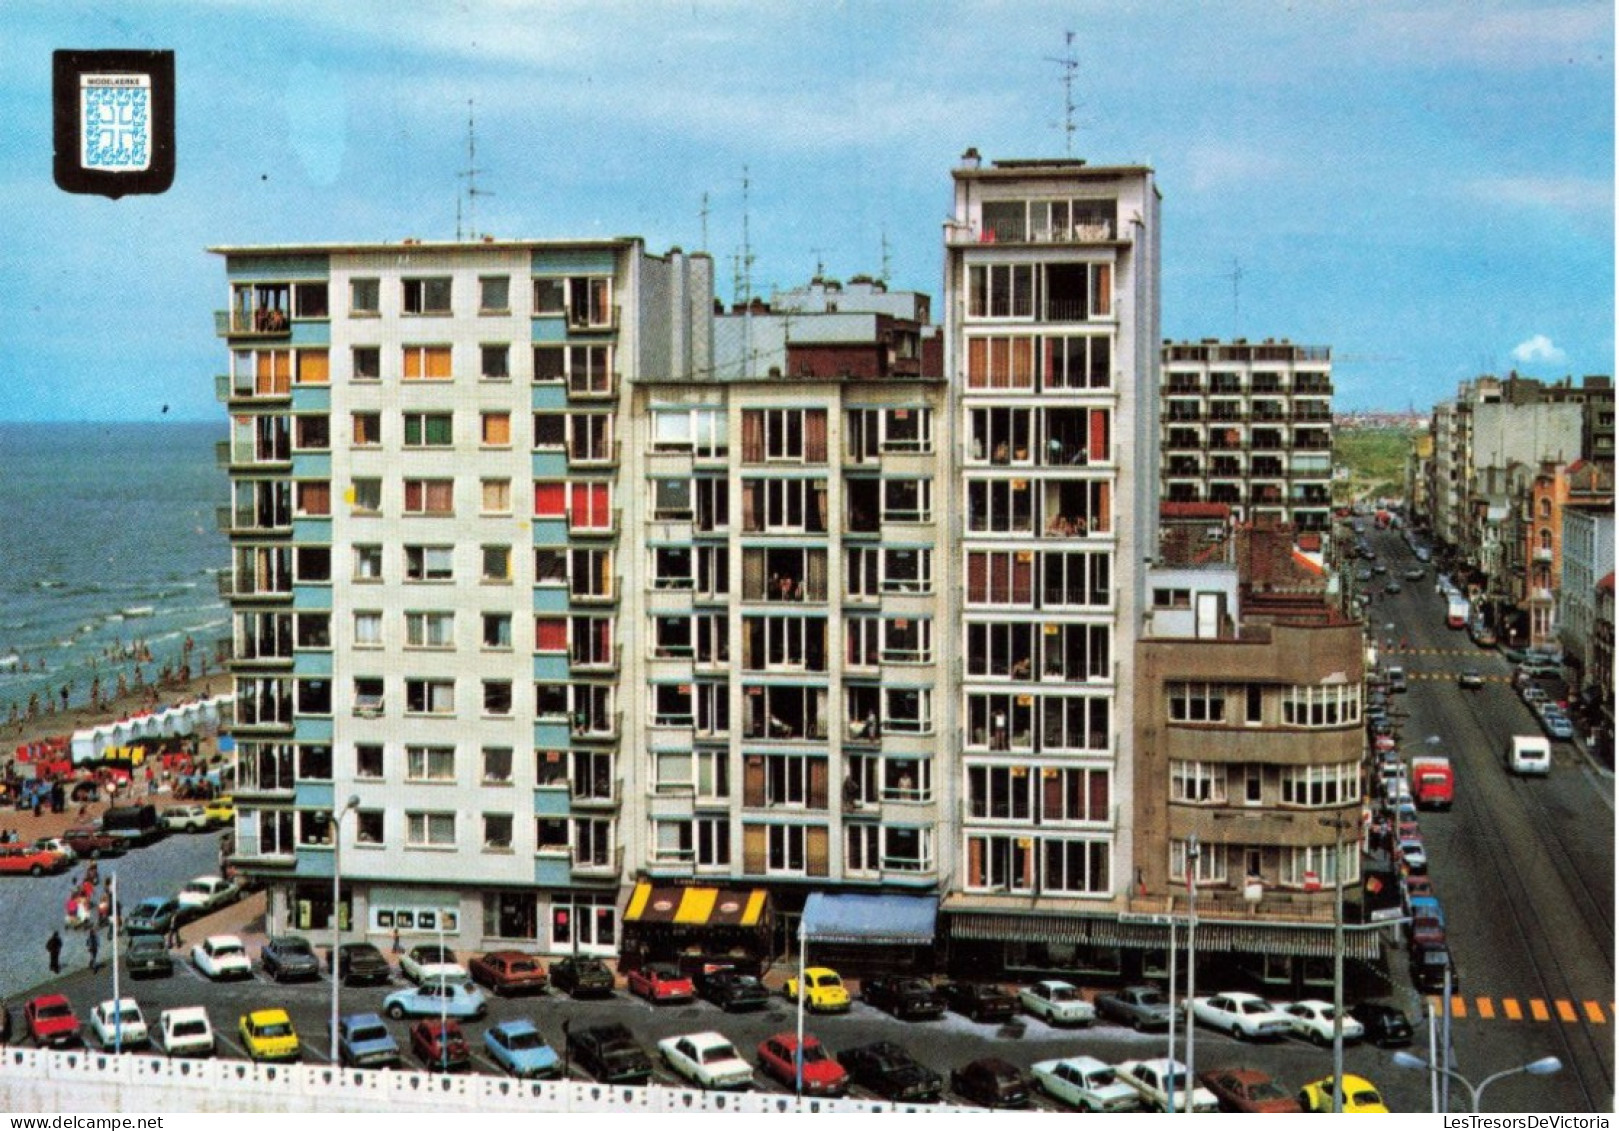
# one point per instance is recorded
(1565, 1011)
(1458, 1006)
(1593, 1013)
(1486, 1008)
(1513, 1009)
(1537, 1010)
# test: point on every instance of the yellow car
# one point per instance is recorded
(267, 1034)
(220, 811)
(824, 991)
(1362, 1096)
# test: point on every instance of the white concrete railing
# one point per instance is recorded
(42, 1081)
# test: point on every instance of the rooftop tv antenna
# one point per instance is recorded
(1070, 69)
(746, 266)
(820, 264)
(887, 265)
(470, 175)
(1235, 275)
(703, 213)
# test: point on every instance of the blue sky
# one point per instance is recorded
(1427, 187)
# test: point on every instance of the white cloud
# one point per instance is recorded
(1537, 348)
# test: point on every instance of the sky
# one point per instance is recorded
(1426, 186)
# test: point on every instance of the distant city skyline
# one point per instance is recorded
(1425, 187)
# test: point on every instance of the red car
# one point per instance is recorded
(29, 861)
(508, 972)
(1427, 931)
(660, 982)
(440, 1046)
(92, 842)
(50, 1021)
(1247, 1090)
(823, 1076)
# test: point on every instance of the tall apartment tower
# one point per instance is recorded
(429, 585)
(1052, 349)
(1249, 426)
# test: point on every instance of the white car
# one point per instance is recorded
(205, 894)
(59, 846)
(1313, 1020)
(1247, 1017)
(1086, 1083)
(186, 1031)
(220, 957)
(1152, 1078)
(432, 963)
(1056, 1003)
(708, 1060)
(185, 819)
(1413, 855)
(119, 1024)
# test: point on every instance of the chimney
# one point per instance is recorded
(971, 159)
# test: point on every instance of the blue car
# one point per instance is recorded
(1557, 725)
(519, 1049)
(461, 1000)
(363, 1041)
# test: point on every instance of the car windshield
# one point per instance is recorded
(60, 1009)
(523, 966)
(433, 954)
(1101, 1078)
(1266, 1090)
(199, 887)
(814, 1054)
(290, 947)
(129, 1015)
(1060, 993)
(827, 981)
(527, 1039)
(228, 950)
(1151, 997)
(1365, 1097)
(369, 1033)
(190, 1028)
(1254, 1007)
(715, 1053)
(276, 1029)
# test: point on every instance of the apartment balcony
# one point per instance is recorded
(254, 520)
(592, 662)
(232, 456)
(268, 324)
(963, 235)
(606, 728)
(600, 455)
(607, 597)
(246, 388)
(595, 525)
(1181, 386)
(596, 796)
(592, 386)
(599, 867)
(1312, 414)
(1541, 555)
(1184, 415)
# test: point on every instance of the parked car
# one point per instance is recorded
(781, 1056)
(661, 983)
(267, 1034)
(430, 961)
(1143, 1008)
(1429, 962)
(824, 991)
(1154, 1078)
(27, 860)
(1313, 1020)
(458, 999)
(906, 997)
(582, 977)
(135, 825)
(1247, 1090)
(219, 957)
(90, 842)
(361, 964)
(206, 894)
(707, 1060)
(1557, 725)
(1470, 679)
(733, 991)
(1385, 1025)
(507, 972)
(154, 916)
(1426, 930)
(50, 1021)
(1358, 1095)
(991, 1082)
(517, 1047)
(186, 1031)
(1391, 588)
(119, 1024)
(894, 1074)
(1085, 1083)
(1245, 1016)
(1056, 1003)
(1413, 855)
(610, 1054)
(186, 819)
(363, 1041)
(1415, 573)
(440, 1045)
(220, 811)
(981, 1001)
(285, 957)
(147, 956)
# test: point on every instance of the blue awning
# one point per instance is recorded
(880, 920)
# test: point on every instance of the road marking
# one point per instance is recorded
(491, 1065)
(1537, 1010)
(1486, 1008)
(314, 1052)
(224, 1040)
(1565, 1011)
(1593, 1013)
(1458, 1006)
(1514, 1010)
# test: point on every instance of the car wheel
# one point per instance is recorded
(1139, 1025)
(396, 1011)
(36, 870)
(94, 853)
(1320, 1039)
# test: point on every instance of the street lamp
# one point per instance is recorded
(1545, 1066)
(1193, 852)
(352, 804)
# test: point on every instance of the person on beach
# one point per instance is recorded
(53, 947)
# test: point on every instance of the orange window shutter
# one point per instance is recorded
(313, 367)
(413, 363)
(497, 428)
(438, 363)
(977, 363)
(1099, 434)
(1022, 363)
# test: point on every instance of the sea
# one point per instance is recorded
(108, 541)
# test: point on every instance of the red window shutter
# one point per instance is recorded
(1099, 434)
(550, 634)
(550, 500)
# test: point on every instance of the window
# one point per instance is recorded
(367, 363)
(494, 362)
(1327, 705)
(1076, 362)
(1076, 580)
(1207, 867)
(368, 563)
(875, 431)
(672, 705)
(1000, 506)
(1197, 782)
(429, 429)
(314, 499)
(785, 435)
(364, 296)
(312, 433)
(367, 429)
(430, 763)
(314, 630)
(429, 563)
(1075, 867)
(497, 563)
(1320, 864)
(427, 363)
(430, 497)
(1321, 786)
(713, 571)
(368, 826)
(313, 563)
(430, 696)
(784, 644)
(367, 760)
(494, 294)
(1001, 577)
(497, 765)
(367, 629)
(497, 631)
(1000, 363)
(430, 830)
(495, 429)
(784, 505)
(907, 500)
(495, 496)
(430, 630)
(497, 697)
(590, 575)
(314, 367)
(367, 496)
(497, 832)
(427, 296)
(1001, 436)
(671, 567)
(908, 710)
(550, 296)
(550, 634)
(907, 640)
(713, 501)
(671, 499)
(1199, 702)
(700, 432)
(587, 301)
(1000, 290)
(585, 369)
(1074, 722)
(368, 699)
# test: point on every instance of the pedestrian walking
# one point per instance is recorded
(53, 947)
(92, 943)
(173, 941)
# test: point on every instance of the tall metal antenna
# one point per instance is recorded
(747, 280)
(820, 264)
(886, 271)
(1070, 68)
(703, 212)
(1235, 275)
(470, 175)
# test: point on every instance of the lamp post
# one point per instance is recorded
(1545, 1066)
(798, 1057)
(117, 1001)
(1193, 852)
(352, 804)
(1339, 825)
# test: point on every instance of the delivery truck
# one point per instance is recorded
(1456, 610)
(1433, 782)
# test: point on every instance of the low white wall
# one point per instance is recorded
(85, 1082)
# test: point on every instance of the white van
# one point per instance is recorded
(1529, 754)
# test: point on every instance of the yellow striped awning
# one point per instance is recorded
(696, 906)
